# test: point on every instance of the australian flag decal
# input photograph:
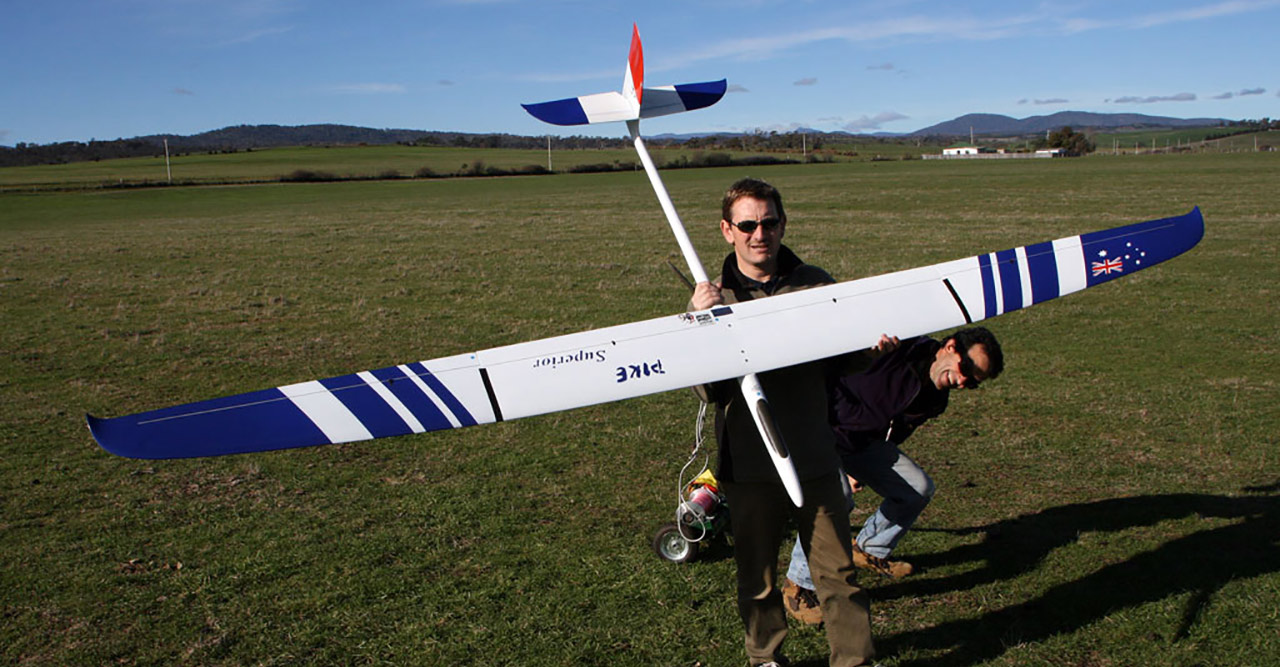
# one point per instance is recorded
(1113, 253)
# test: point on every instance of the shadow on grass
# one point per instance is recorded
(1201, 563)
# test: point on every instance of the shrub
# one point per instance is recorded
(308, 176)
(591, 168)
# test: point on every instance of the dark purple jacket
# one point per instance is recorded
(894, 392)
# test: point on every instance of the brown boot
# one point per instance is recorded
(801, 604)
(882, 566)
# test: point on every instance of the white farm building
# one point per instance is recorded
(965, 150)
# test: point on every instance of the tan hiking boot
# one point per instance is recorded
(895, 569)
(801, 604)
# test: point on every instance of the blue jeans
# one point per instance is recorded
(906, 489)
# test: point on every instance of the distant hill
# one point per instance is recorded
(253, 137)
(241, 137)
(996, 124)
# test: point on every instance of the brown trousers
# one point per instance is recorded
(759, 513)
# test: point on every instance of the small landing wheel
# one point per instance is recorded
(670, 545)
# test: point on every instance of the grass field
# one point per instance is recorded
(334, 163)
(1113, 499)
(1192, 139)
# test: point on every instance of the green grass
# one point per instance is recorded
(1197, 139)
(1112, 499)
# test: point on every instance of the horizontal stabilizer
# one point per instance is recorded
(584, 110)
(681, 97)
(614, 107)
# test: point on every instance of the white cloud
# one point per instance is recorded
(905, 28)
(1045, 19)
(1132, 99)
(1214, 10)
(780, 128)
(1190, 14)
(872, 122)
(1243, 93)
(735, 88)
(807, 81)
(951, 25)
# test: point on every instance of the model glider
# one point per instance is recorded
(646, 357)
(650, 356)
(636, 102)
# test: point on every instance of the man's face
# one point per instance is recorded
(956, 369)
(758, 251)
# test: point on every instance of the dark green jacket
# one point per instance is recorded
(797, 394)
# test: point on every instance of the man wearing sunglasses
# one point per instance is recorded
(753, 222)
(872, 414)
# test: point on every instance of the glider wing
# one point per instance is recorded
(645, 357)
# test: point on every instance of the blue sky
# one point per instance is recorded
(105, 69)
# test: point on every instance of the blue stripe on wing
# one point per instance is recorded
(1010, 280)
(253, 422)
(413, 398)
(988, 287)
(380, 419)
(459, 410)
(1043, 265)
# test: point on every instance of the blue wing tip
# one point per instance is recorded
(1196, 218)
(558, 112)
(92, 422)
(101, 431)
(96, 429)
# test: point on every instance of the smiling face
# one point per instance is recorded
(758, 251)
(954, 368)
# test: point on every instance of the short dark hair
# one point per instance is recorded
(756, 189)
(966, 338)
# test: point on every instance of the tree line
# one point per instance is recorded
(250, 137)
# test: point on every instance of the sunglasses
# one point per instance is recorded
(749, 226)
(967, 369)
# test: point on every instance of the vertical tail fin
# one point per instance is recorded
(633, 78)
